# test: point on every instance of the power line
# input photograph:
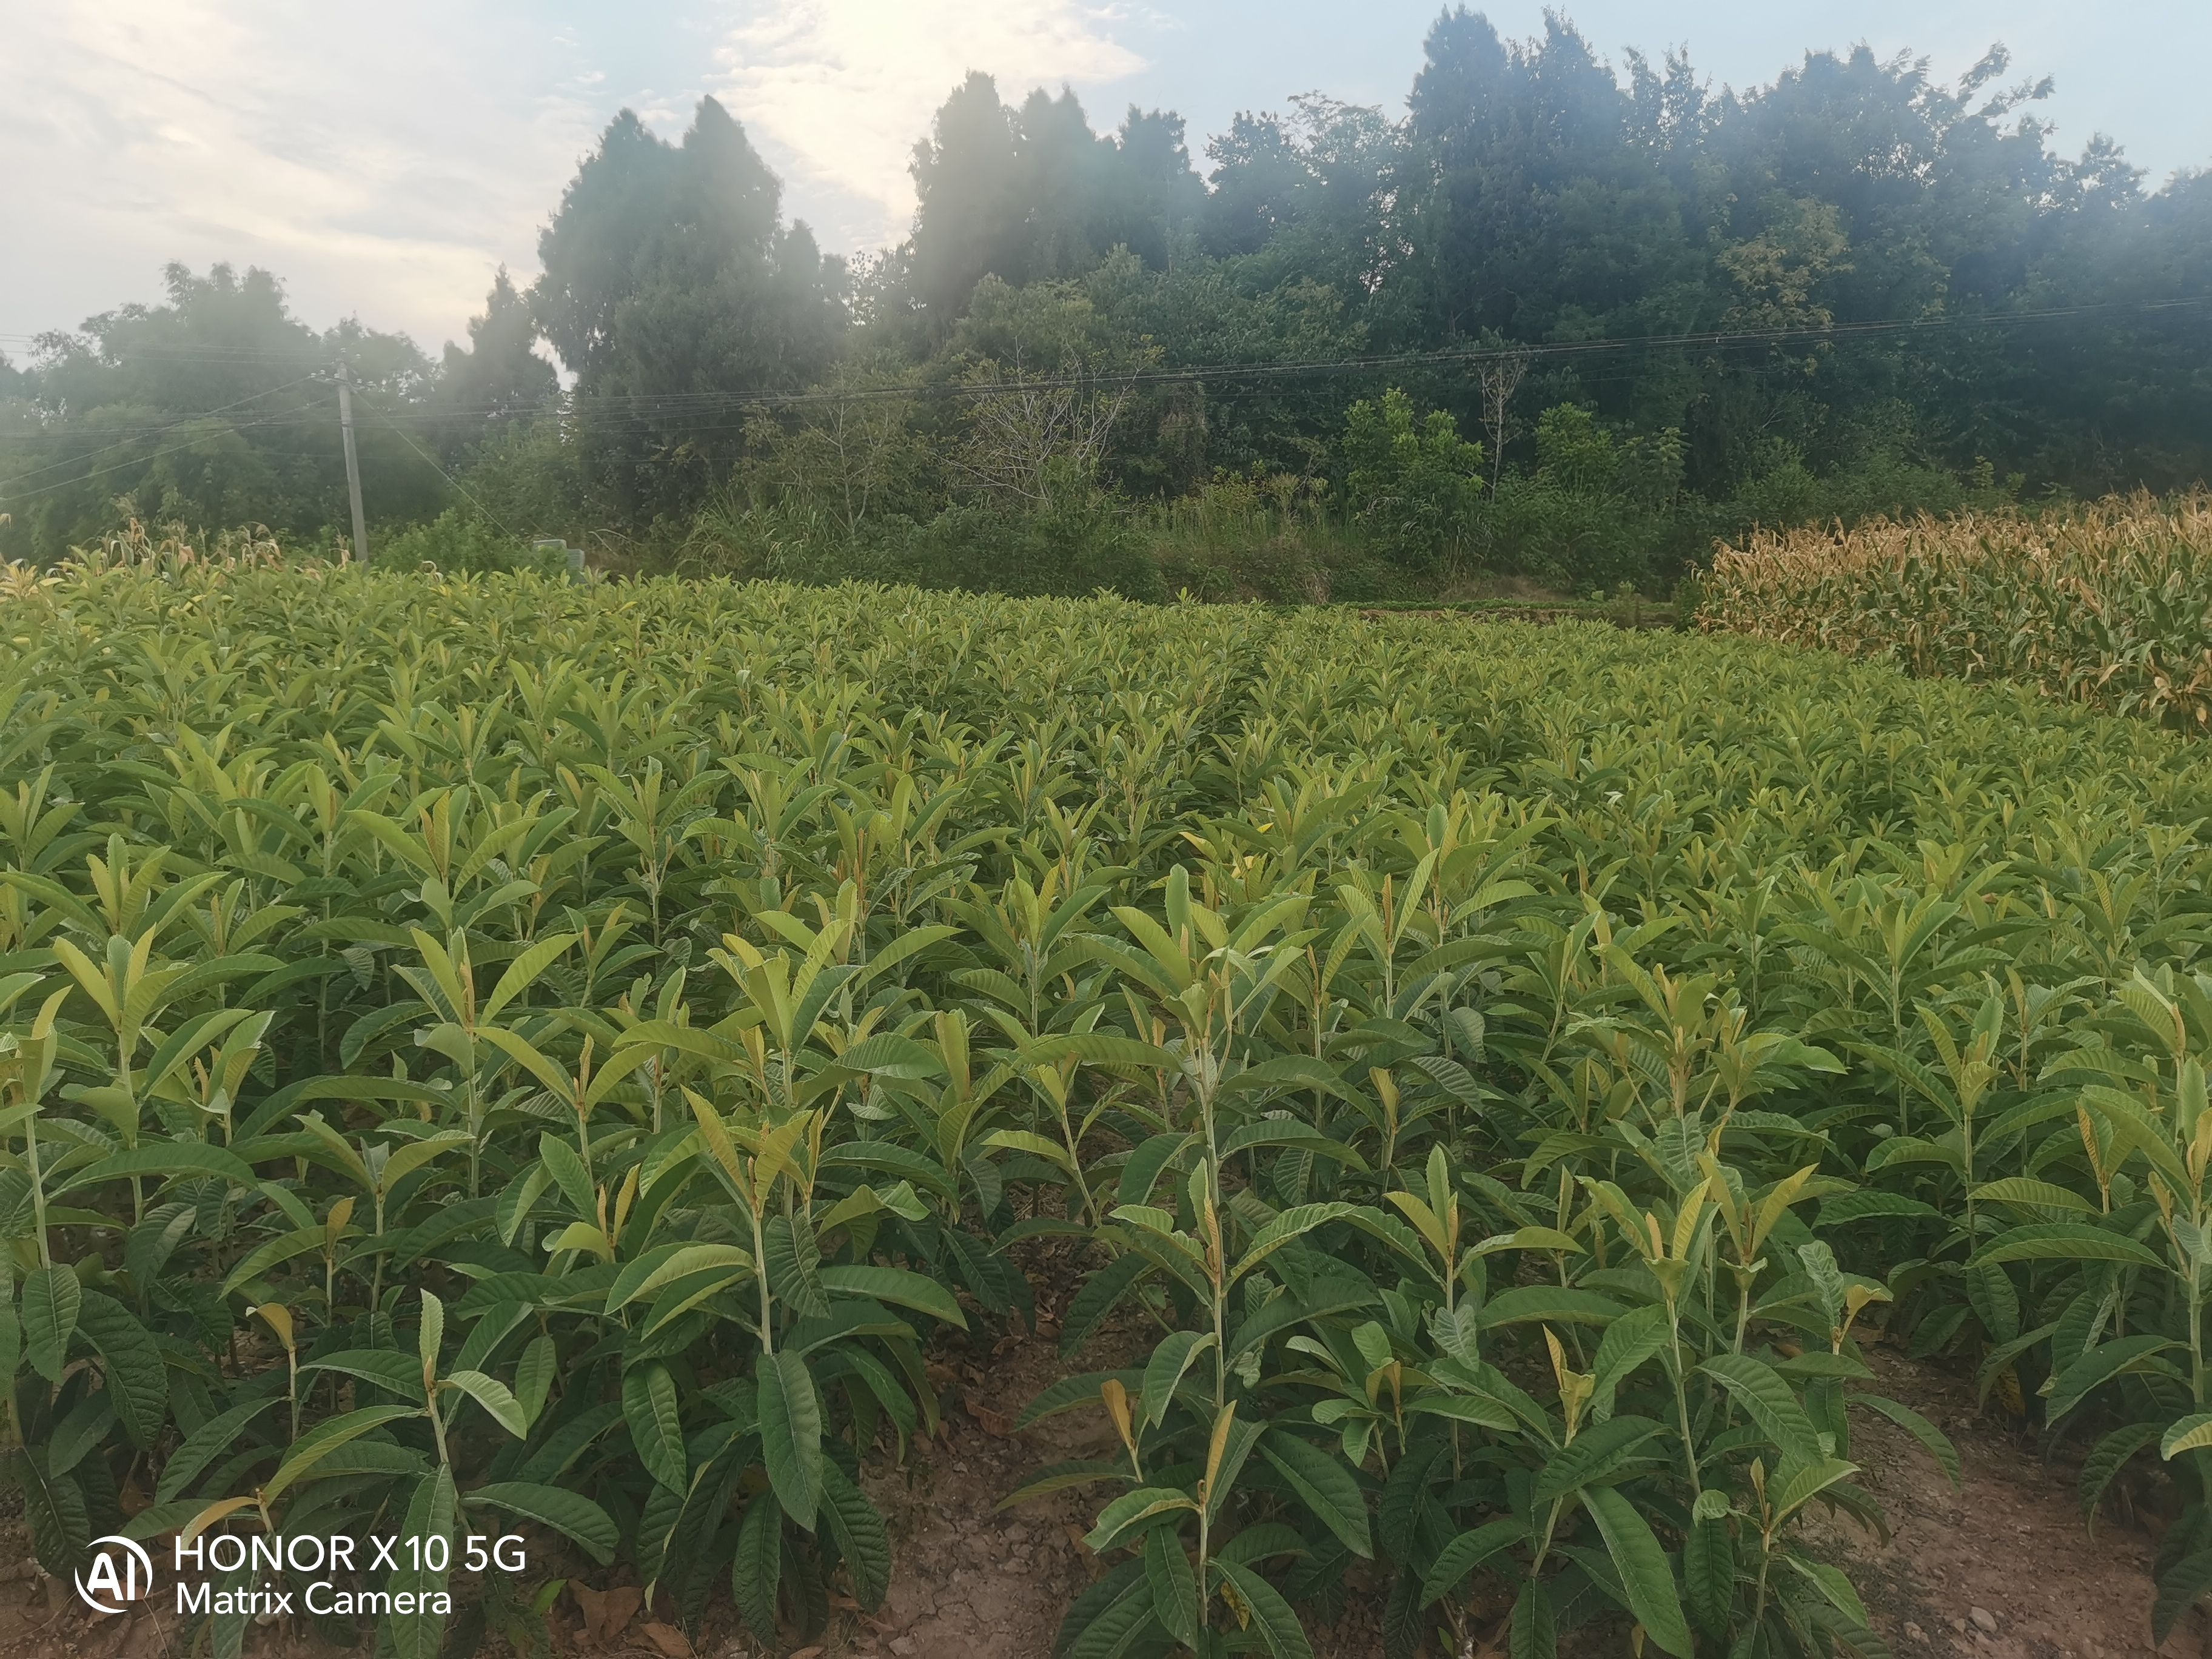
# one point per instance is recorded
(641, 405)
(71, 483)
(641, 411)
(171, 426)
(472, 496)
(1713, 339)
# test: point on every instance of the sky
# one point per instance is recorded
(384, 160)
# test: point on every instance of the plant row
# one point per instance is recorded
(490, 1055)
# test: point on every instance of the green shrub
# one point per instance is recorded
(460, 539)
(1412, 483)
(1270, 536)
(1073, 545)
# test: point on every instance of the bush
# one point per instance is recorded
(1412, 483)
(1266, 535)
(1073, 545)
(461, 539)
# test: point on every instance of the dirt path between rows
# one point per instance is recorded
(2004, 1568)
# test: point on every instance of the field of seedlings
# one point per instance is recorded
(2110, 605)
(488, 1056)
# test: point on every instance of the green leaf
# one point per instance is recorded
(533, 1375)
(1599, 1452)
(793, 1257)
(420, 1634)
(218, 1435)
(1835, 1587)
(163, 1159)
(2067, 1241)
(567, 1512)
(1292, 1223)
(2107, 1458)
(325, 1437)
(1465, 1554)
(388, 1367)
(896, 1286)
(2191, 1433)
(132, 1363)
(1061, 1477)
(791, 1434)
(1535, 1630)
(1645, 1573)
(495, 1398)
(1709, 1573)
(757, 1571)
(656, 1426)
(1769, 1401)
(1481, 1409)
(1175, 1586)
(666, 1263)
(2101, 1364)
(2031, 1194)
(430, 1335)
(1406, 1497)
(1175, 1355)
(1325, 1485)
(859, 1535)
(1272, 1616)
(1938, 1444)
(274, 1252)
(54, 1510)
(1807, 1481)
(522, 972)
(569, 1175)
(52, 1298)
(2180, 1588)
(1552, 1304)
(1100, 1294)
(1121, 1618)
(1629, 1342)
(1133, 1509)
(1071, 1392)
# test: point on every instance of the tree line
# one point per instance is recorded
(1558, 317)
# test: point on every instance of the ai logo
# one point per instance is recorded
(119, 1573)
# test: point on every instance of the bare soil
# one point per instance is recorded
(2000, 1570)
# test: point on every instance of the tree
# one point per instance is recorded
(673, 291)
(1410, 479)
(1034, 194)
(212, 409)
(1043, 379)
(500, 379)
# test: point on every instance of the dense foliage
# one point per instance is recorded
(2110, 606)
(1665, 314)
(481, 1045)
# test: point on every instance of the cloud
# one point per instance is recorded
(374, 176)
(836, 91)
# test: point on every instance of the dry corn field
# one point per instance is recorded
(2111, 607)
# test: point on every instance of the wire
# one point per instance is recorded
(642, 410)
(1708, 339)
(71, 483)
(182, 420)
(471, 496)
(641, 406)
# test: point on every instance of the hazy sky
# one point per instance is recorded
(384, 160)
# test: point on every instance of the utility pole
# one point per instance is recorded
(353, 462)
